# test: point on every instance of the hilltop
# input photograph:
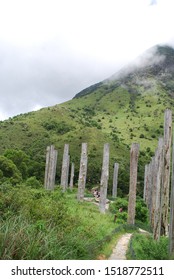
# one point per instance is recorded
(125, 108)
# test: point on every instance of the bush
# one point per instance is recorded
(33, 182)
(9, 171)
(60, 128)
(20, 159)
(141, 135)
(144, 247)
(141, 209)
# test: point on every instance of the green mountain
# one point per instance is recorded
(125, 108)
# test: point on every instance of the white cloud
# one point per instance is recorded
(51, 49)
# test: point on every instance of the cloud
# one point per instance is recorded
(42, 76)
(50, 50)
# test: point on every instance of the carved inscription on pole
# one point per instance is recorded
(104, 179)
(133, 183)
(82, 172)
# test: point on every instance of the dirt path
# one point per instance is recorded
(119, 252)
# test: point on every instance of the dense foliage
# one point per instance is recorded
(144, 247)
(141, 211)
(38, 224)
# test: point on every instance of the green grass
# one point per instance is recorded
(144, 247)
(38, 224)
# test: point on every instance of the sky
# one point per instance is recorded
(52, 49)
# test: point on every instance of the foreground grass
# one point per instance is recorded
(37, 224)
(144, 247)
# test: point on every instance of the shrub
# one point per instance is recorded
(20, 159)
(141, 209)
(33, 182)
(146, 248)
(141, 135)
(60, 128)
(9, 171)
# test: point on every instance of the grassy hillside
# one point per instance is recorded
(125, 109)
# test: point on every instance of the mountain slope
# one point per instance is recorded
(126, 108)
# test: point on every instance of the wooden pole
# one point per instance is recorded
(53, 167)
(133, 183)
(157, 208)
(149, 194)
(145, 183)
(67, 171)
(166, 170)
(104, 179)
(47, 167)
(115, 180)
(82, 172)
(72, 176)
(63, 182)
(154, 186)
(50, 168)
(171, 224)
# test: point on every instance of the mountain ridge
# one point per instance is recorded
(158, 60)
(119, 112)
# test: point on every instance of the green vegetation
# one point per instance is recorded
(141, 210)
(144, 247)
(38, 224)
(118, 111)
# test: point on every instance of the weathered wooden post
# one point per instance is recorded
(154, 181)
(67, 171)
(166, 171)
(65, 168)
(50, 168)
(115, 180)
(82, 172)
(104, 179)
(149, 191)
(72, 176)
(54, 167)
(133, 183)
(171, 224)
(157, 210)
(145, 182)
(47, 167)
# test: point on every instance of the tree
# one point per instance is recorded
(9, 171)
(20, 159)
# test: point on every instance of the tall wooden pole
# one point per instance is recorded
(149, 192)
(47, 167)
(171, 224)
(157, 205)
(54, 164)
(104, 179)
(145, 182)
(72, 176)
(63, 182)
(154, 186)
(82, 172)
(67, 171)
(133, 183)
(115, 180)
(50, 168)
(166, 172)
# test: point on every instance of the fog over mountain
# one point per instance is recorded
(70, 45)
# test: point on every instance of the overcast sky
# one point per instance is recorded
(52, 49)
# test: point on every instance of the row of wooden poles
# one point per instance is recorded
(156, 180)
(50, 173)
(158, 188)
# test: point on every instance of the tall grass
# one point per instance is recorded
(144, 247)
(37, 224)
